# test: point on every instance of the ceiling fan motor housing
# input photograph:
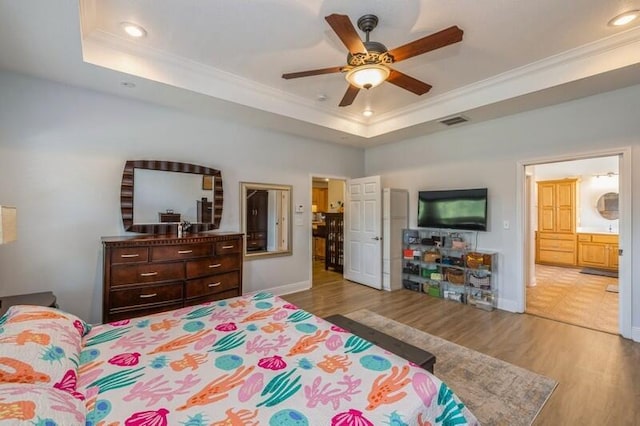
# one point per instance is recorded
(376, 54)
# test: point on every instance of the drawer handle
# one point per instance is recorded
(185, 251)
(228, 247)
(215, 284)
(216, 265)
(129, 255)
(146, 296)
(149, 274)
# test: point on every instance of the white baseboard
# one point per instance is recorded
(635, 334)
(288, 288)
(507, 305)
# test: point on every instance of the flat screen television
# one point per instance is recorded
(464, 209)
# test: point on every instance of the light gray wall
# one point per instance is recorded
(487, 154)
(62, 151)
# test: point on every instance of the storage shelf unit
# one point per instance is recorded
(334, 250)
(446, 264)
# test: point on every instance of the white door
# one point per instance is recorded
(362, 233)
(395, 218)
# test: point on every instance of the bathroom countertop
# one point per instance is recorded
(596, 231)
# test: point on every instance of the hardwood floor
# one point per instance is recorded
(598, 373)
(564, 294)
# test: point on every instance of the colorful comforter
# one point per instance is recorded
(252, 360)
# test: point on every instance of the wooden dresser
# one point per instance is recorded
(145, 274)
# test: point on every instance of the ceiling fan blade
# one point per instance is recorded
(309, 73)
(408, 83)
(426, 44)
(349, 95)
(342, 26)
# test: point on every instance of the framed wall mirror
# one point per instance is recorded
(607, 205)
(157, 195)
(265, 211)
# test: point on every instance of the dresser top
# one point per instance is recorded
(170, 238)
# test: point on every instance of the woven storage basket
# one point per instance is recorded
(475, 260)
(430, 256)
(455, 276)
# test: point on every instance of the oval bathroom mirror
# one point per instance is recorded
(607, 205)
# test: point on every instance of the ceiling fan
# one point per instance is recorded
(368, 62)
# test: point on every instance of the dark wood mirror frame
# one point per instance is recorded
(126, 196)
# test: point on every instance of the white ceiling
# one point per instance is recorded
(226, 57)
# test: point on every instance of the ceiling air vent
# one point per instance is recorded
(457, 119)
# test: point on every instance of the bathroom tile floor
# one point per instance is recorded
(566, 295)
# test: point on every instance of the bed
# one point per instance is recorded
(249, 360)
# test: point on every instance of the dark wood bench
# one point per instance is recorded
(404, 350)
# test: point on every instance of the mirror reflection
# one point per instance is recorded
(266, 219)
(607, 205)
(163, 197)
(156, 195)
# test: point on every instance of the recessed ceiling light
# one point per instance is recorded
(624, 18)
(321, 97)
(134, 30)
(128, 84)
(367, 112)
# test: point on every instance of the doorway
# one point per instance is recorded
(572, 240)
(327, 226)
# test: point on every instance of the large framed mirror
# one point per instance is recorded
(157, 195)
(265, 210)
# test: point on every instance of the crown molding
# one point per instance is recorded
(118, 53)
(110, 51)
(616, 51)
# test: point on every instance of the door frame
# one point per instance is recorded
(309, 225)
(625, 302)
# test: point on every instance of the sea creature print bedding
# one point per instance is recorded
(252, 360)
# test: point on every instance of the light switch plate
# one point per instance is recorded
(299, 208)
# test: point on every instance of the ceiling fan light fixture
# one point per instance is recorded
(368, 76)
(624, 18)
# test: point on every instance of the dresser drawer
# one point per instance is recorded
(146, 273)
(129, 255)
(212, 297)
(556, 236)
(146, 295)
(213, 284)
(256, 245)
(177, 252)
(560, 257)
(606, 239)
(212, 265)
(126, 313)
(223, 247)
(560, 245)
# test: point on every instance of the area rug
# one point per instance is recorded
(612, 288)
(498, 393)
(601, 272)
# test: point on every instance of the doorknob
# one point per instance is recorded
(376, 238)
